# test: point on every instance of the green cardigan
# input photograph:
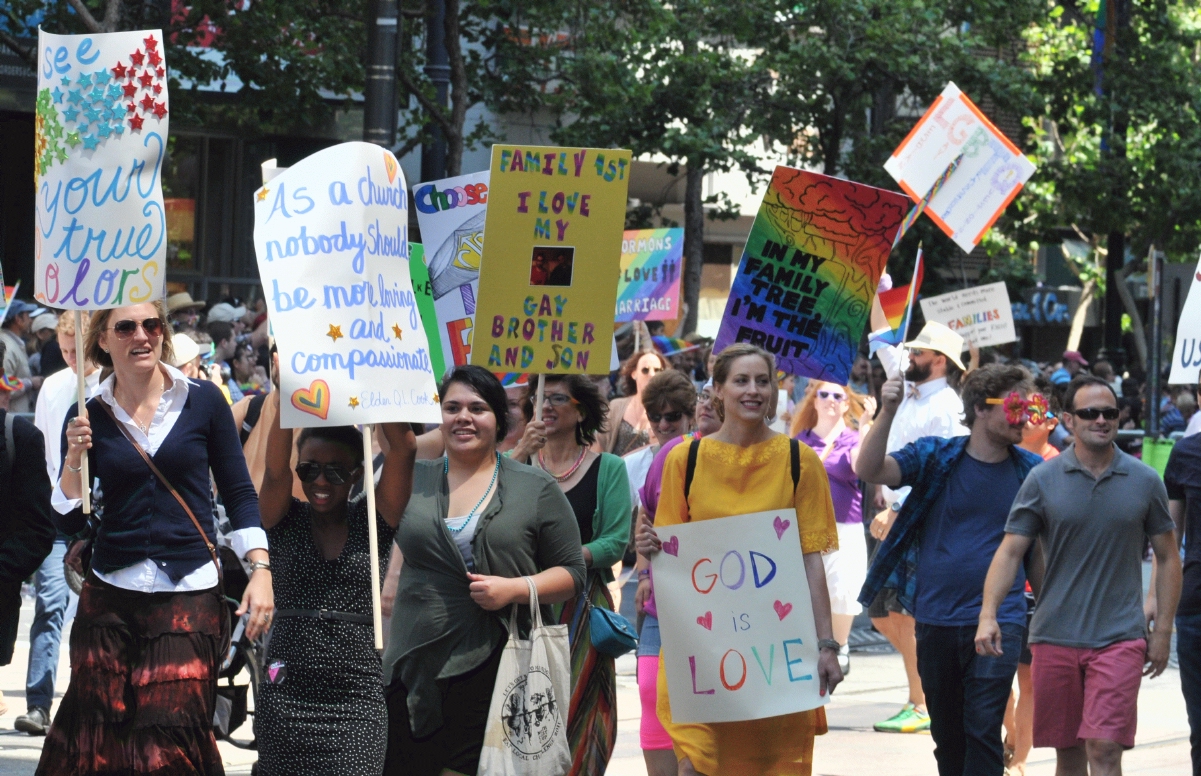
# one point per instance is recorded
(611, 521)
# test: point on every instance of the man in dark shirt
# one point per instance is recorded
(1183, 479)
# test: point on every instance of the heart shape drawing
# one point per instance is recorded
(314, 400)
(781, 526)
(782, 609)
(672, 546)
(390, 166)
(706, 622)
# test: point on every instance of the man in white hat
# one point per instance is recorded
(183, 311)
(930, 407)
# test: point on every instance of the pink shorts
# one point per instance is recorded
(1086, 693)
(652, 734)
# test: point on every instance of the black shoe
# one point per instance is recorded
(34, 722)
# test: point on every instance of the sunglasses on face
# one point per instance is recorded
(335, 474)
(558, 399)
(670, 417)
(1019, 410)
(125, 329)
(835, 395)
(1092, 413)
(650, 370)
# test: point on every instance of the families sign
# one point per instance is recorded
(554, 229)
(331, 234)
(739, 639)
(648, 283)
(450, 213)
(100, 134)
(990, 174)
(982, 315)
(809, 272)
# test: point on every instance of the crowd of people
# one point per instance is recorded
(979, 509)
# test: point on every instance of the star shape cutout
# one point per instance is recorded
(60, 154)
(70, 114)
(72, 139)
(158, 88)
(354, 402)
(160, 72)
(96, 95)
(154, 58)
(396, 330)
(436, 399)
(146, 79)
(90, 142)
(151, 43)
(119, 129)
(113, 92)
(92, 114)
(101, 76)
(84, 80)
(131, 108)
(104, 130)
(160, 109)
(58, 95)
(82, 124)
(147, 103)
(66, 81)
(119, 70)
(74, 97)
(129, 89)
(137, 58)
(263, 195)
(135, 122)
(335, 332)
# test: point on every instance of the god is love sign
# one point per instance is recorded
(552, 243)
(739, 639)
(101, 135)
(331, 234)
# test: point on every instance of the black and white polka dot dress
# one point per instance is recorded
(320, 709)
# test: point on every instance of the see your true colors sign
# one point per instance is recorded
(101, 135)
(331, 234)
(552, 242)
(739, 639)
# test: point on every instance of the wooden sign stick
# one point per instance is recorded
(377, 614)
(85, 480)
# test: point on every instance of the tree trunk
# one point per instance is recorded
(694, 244)
(1086, 298)
(1136, 319)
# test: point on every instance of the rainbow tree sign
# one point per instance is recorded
(809, 271)
(648, 281)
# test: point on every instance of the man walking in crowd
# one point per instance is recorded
(930, 407)
(1093, 507)
(57, 396)
(225, 346)
(17, 322)
(938, 552)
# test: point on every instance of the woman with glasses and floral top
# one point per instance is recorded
(629, 428)
(320, 708)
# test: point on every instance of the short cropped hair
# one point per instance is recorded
(346, 436)
(669, 388)
(993, 381)
(1083, 380)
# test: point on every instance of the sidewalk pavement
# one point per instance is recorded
(874, 690)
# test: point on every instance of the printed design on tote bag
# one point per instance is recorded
(531, 714)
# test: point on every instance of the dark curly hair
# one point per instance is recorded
(348, 437)
(993, 381)
(593, 409)
(484, 384)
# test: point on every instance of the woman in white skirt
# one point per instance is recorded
(830, 419)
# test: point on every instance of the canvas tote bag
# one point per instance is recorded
(527, 722)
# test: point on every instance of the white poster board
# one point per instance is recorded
(451, 215)
(101, 135)
(982, 315)
(739, 640)
(331, 234)
(1186, 354)
(990, 175)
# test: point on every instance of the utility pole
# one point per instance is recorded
(437, 68)
(1155, 287)
(379, 109)
(1114, 146)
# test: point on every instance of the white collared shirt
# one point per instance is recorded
(147, 576)
(54, 401)
(931, 408)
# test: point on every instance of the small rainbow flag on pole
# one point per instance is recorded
(898, 308)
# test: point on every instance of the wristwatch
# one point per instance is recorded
(828, 644)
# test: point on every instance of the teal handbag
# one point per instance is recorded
(612, 634)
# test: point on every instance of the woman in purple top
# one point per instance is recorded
(830, 419)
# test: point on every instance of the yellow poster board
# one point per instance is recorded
(552, 246)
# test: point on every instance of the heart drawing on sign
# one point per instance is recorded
(314, 400)
(672, 546)
(782, 609)
(706, 622)
(781, 526)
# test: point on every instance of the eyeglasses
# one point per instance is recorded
(835, 395)
(335, 474)
(125, 329)
(1019, 410)
(1092, 413)
(558, 399)
(670, 417)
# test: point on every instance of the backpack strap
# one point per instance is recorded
(794, 454)
(9, 445)
(693, 447)
(253, 411)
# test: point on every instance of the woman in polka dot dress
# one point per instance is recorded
(320, 709)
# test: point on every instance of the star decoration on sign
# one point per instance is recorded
(84, 80)
(73, 139)
(146, 79)
(66, 81)
(354, 402)
(70, 114)
(160, 109)
(138, 58)
(119, 70)
(262, 194)
(58, 95)
(150, 42)
(135, 122)
(154, 58)
(130, 90)
(436, 399)
(147, 103)
(334, 333)
(396, 330)
(160, 72)
(90, 142)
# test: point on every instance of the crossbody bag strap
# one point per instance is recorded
(166, 483)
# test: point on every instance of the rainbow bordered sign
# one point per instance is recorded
(648, 281)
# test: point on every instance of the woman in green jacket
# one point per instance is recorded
(598, 489)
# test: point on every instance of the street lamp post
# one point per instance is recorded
(379, 109)
(437, 68)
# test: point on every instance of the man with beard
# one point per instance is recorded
(930, 407)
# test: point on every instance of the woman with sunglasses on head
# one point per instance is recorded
(743, 468)
(476, 525)
(320, 708)
(597, 487)
(628, 427)
(831, 419)
(152, 625)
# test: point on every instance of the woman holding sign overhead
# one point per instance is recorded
(743, 468)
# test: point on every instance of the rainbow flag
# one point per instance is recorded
(898, 308)
(809, 271)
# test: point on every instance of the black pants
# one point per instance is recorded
(457, 744)
(966, 695)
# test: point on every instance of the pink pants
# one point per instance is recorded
(652, 734)
(1086, 693)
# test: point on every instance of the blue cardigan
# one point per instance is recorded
(141, 518)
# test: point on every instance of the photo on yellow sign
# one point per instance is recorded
(552, 244)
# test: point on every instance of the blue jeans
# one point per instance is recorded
(966, 695)
(54, 599)
(1188, 651)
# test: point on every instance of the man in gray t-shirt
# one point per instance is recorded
(1092, 510)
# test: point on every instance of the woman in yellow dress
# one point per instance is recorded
(746, 467)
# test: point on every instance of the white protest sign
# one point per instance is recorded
(990, 175)
(451, 215)
(739, 640)
(1186, 354)
(101, 134)
(981, 314)
(331, 234)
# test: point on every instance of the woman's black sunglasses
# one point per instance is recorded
(125, 329)
(670, 417)
(1092, 413)
(334, 474)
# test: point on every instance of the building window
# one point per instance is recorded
(181, 182)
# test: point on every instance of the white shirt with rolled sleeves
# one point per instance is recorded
(58, 393)
(931, 408)
(147, 577)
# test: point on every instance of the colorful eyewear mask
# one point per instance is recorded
(1019, 410)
